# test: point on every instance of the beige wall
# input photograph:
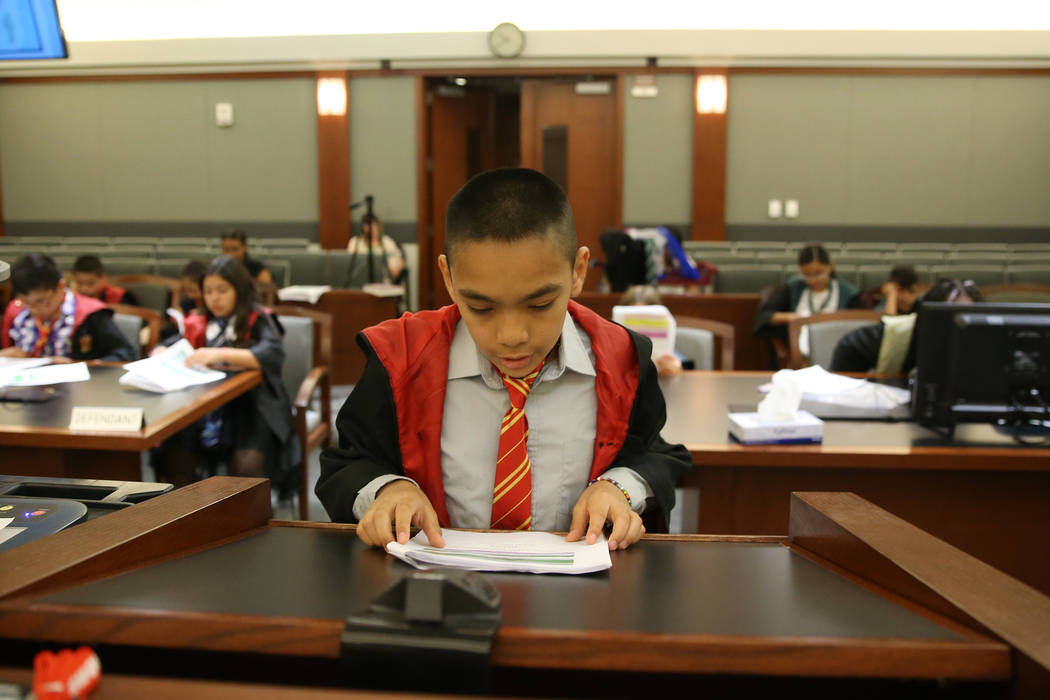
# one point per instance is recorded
(383, 145)
(657, 153)
(891, 150)
(856, 151)
(150, 151)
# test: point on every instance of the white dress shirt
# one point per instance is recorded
(562, 413)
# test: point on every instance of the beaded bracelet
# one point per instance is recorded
(618, 485)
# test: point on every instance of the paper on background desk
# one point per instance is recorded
(168, 371)
(821, 389)
(303, 292)
(653, 321)
(530, 552)
(44, 375)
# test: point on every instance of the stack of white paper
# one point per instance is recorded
(825, 392)
(653, 321)
(531, 552)
(303, 292)
(29, 372)
(168, 371)
(382, 289)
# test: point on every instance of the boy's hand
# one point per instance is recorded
(404, 504)
(601, 502)
(13, 351)
(159, 350)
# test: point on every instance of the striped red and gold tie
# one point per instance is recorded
(512, 495)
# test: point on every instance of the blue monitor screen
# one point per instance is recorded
(29, 29)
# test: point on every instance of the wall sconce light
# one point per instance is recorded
(712, 93)
(331, 97)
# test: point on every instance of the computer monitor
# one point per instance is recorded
(982, 363)
(30, 30)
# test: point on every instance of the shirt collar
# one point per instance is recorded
(465, 360)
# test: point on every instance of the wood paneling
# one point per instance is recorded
(710, 146)
(878, 545)
(424, 196)
(353, 311)
(452, 118)
(595, 154)
(333, 175)
(738, 310)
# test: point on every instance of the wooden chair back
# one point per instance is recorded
(150, 319)
(725, 338)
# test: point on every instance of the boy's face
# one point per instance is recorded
(44, 303)
(88, 283)
(513, 297)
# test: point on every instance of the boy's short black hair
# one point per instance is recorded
(509, 205)
(91, 264)
(34, 271)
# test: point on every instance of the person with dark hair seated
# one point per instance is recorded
(253, 434)
(48, 320)
(235, 244)
(817, 290)
(90, 279)
(889, 347)
(899, 292)
(190, 298)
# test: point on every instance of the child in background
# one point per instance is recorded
(900, 291)
(515, 408)
(48, 320)
(817, 290)
(90, 279)
(235, 244)
(190, 299)
(253, 434)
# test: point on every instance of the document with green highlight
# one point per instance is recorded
(531, 552)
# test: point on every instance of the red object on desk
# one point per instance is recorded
(67, 675)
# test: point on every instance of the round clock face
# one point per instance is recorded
(506, 40)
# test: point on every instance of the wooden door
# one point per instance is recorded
(460, 145)
(576, 139)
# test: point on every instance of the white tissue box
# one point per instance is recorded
(749, 430)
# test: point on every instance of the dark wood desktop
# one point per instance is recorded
(198, 583)
(981, 491)
(35, 439)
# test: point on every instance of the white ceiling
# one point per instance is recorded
(120, 20)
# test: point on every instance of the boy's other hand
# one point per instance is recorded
(668, 365)
(402, 504)
(601, 502)
(61, 360)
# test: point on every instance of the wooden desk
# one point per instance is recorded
(352, 311)
(982, 492)
(35, 439)
(204, 584)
